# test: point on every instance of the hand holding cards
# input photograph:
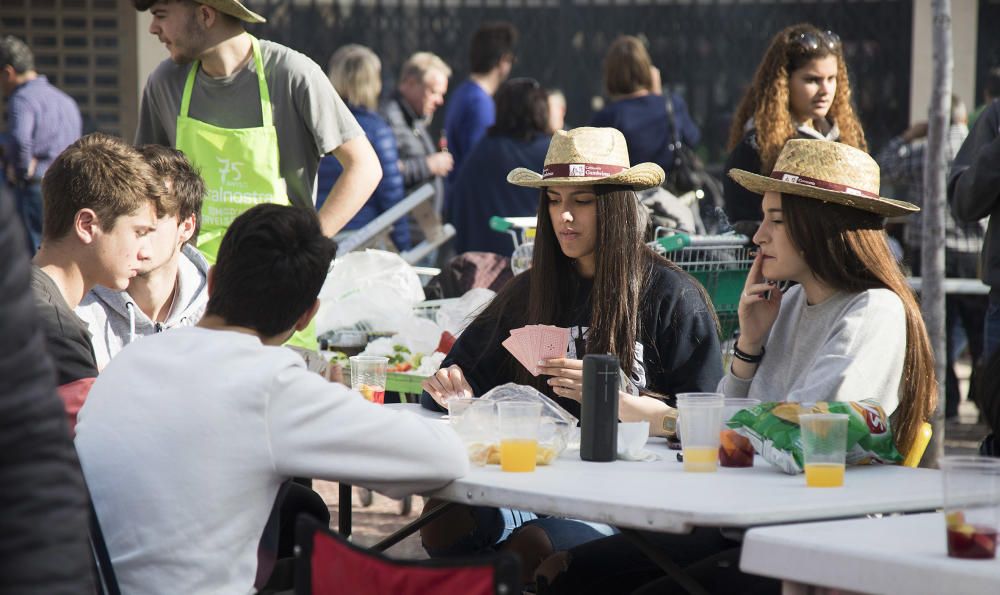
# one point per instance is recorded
(535, 342)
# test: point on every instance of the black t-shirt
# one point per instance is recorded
(677, 344)
(66, 336)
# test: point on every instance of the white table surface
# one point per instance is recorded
(660, 496)
(900, 554)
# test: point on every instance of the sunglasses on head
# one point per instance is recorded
(814, 40)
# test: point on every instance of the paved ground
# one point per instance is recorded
(382, 518)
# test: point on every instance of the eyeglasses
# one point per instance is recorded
(813, 40)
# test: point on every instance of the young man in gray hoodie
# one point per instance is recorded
(170, 289)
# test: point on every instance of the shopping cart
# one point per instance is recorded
(522, 232)
(720, 263)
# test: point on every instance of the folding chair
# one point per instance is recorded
(104, 572)
(327, 564)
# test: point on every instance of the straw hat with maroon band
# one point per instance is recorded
(828, 171)
(234, 8)
(585, 156)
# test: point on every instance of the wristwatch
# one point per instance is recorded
(669, 423)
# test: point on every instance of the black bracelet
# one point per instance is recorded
(743, 356)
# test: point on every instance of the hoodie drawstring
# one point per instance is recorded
(131, 321)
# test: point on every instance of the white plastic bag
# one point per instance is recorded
(454, 316)
(372, 286)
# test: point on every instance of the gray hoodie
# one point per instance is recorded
(115, 320)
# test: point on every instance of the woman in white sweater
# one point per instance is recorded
(851, 328)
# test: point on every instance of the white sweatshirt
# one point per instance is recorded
(847, 348)
(187, 435)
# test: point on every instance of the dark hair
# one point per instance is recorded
(541, 294)
(270, 267)
(98, 172)
(490, 43)
(522, 110)
(16, 53)
(186, 190)
(847, 249)
(991, 85)
(627, 67)
(766, 100)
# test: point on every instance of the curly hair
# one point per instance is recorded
(766, 101)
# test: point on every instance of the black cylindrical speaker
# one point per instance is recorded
(599, 413)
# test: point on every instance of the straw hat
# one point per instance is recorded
(828, 171)
(234, 8)
(585, 156)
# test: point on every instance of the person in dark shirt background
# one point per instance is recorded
(41, 120)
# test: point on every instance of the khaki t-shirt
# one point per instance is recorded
(310, 118)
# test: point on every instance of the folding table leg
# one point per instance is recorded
(344, 510)
(664, 562)
(412, 527)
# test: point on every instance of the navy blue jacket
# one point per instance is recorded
(644, 122)
(481, 191)
(388, 192)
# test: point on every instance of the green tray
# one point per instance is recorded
(404, 383)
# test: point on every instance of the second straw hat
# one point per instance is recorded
(585, 156)
(827, 171)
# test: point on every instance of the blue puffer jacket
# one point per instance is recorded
(388, 192)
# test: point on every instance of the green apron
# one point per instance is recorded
(240, 167)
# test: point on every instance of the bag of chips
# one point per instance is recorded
(773, 429)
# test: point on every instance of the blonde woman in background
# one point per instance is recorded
(356, 74)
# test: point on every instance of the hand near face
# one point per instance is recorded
(566, 376)
(759, 305)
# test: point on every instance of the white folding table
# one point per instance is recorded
(900, 554)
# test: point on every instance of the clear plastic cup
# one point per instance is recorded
(519, 426)
(735, 450)
(475, 422)
(824, 448)
(971, 506)
(368, 376)
(700, 417)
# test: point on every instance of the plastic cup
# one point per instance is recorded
(474, 420)
(368, 376)
(519, 426)
(735, 450)
(824, 448)
(700, 417)
(971, 506)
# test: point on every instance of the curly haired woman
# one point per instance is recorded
(800, 90)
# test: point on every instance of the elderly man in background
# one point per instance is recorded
(42, 121)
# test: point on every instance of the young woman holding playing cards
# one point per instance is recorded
(850, 329)
(591, 273)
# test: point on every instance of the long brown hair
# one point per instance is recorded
(846, 249)
(766, 101)
(542, 294)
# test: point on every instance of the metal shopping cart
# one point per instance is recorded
(522, 232)
(720, 263)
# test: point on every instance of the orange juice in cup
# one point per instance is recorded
(824, 475)
(519, 425)
(518, 455)
(368, 374)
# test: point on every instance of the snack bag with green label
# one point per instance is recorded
(773, 429)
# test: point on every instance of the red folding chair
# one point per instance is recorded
(327, 564)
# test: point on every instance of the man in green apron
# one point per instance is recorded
(254, 117)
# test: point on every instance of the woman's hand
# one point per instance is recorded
(758, 307)
(446, 383)
(567, 376)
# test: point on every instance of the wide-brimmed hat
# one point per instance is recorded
(828, 171)
(584, 156)
(234, 8)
